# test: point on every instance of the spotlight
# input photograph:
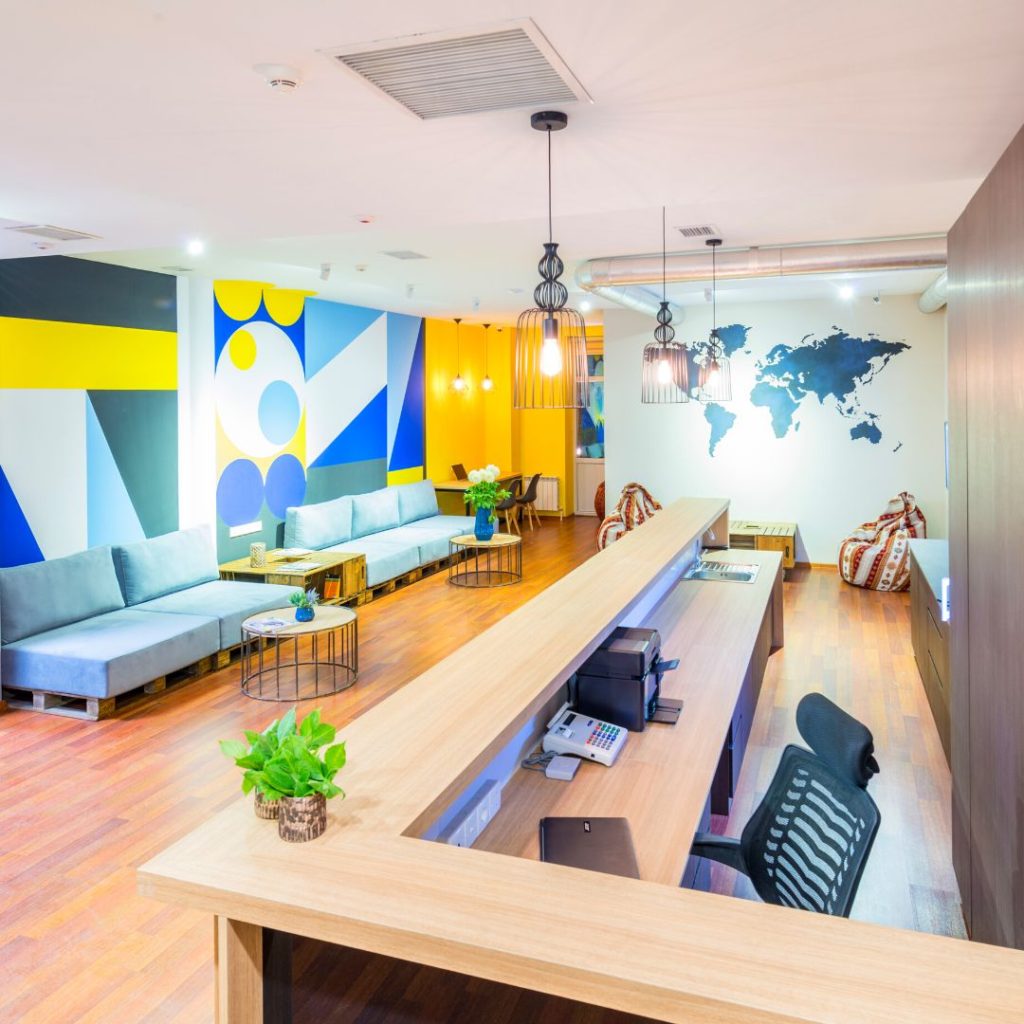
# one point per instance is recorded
(195, 247)
(846, 292)
(325, 271)
(585, 306)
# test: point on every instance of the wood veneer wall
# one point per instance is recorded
(986, 410)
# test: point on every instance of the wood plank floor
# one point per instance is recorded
(85, 803)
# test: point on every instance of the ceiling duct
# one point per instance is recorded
(933, 298)
(52, 233)
(621, 278)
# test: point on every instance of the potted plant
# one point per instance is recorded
(305, 604)
(252, 757)
(484, 493)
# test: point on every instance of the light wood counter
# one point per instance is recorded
(647, 948)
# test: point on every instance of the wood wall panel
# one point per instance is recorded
(986, 339)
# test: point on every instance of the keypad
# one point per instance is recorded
(603, 736)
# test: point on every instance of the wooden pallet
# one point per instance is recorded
(390, 586)
(92, 709)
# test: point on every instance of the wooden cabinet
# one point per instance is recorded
(929, 634)
(760, 535)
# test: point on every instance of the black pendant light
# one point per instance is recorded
(666, 377)
(459, 383)
(714, 381)
(551, 339)
(486, 384)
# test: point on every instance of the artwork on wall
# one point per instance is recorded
(314, 399)
(88, 406)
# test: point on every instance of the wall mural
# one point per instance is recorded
(88, 406)
(836, 370)
(314, 399)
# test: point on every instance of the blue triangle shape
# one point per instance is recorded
(20, 545)
(330, 328)
(366, 437)
(110, 515)
(407, 450)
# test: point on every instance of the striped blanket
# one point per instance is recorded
(877, 555)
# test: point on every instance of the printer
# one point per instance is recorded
(621, 681)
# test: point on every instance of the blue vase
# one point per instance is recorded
(303, 614)
(483, 528)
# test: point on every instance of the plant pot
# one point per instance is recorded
(265, 808)
(304, 614)
(301, 818)
(483, 528)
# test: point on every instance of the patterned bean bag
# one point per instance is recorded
(635, 506)
(877, 555)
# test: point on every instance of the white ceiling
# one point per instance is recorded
(142, 121)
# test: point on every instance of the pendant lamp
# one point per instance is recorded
(714, 380)
(550, 369)
(486, 383)
(666, 377)
(459, 384)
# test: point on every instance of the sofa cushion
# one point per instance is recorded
(385, 559)
(416, 501)
(44, 595)
(228, 601)
(108, 654)
(162, 565)
(374, 511)
(320, 525)
(452, 526)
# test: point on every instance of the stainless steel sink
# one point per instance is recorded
(720, 571)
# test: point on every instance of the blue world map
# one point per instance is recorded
(835, 370)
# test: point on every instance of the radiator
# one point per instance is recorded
(547, 495)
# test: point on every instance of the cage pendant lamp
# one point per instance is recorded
(666, 373)
(550, 367)
(486, 384)
(459, 383)
(714, 379)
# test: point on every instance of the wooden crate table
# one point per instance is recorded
(345, 570)
(761, 535)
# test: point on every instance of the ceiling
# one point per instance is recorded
(142, 121)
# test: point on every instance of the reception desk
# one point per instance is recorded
(644, 946)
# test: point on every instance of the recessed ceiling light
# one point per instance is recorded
(585, 306)
(195, 247)
(846, 292)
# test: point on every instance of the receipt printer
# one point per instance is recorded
(621, 681)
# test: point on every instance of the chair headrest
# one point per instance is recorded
(837, 738)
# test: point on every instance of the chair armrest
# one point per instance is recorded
(719, 848)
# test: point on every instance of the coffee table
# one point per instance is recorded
(287, 660)
(348, 568)
(497, 562)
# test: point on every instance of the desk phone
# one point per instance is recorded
(569, 732)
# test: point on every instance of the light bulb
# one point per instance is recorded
(550, 358)
(459, 384)
(713, 376)
(664, 372)
(487, 383)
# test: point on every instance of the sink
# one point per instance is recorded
(722, 572)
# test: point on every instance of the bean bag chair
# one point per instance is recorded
(599, 500)
(877, 555)
(635, 507)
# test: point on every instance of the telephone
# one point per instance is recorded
(569, 732)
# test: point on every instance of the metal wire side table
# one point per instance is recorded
(497, 562)
(299, 660)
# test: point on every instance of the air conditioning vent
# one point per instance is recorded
(404, 254)
(445, 75)
(52, 233)
(700, 231)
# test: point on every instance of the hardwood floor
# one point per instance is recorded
(85, 803)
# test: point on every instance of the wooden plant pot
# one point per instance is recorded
(265, 808)
(302, 818)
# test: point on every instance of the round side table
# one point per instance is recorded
(322, 657)
(497, 562)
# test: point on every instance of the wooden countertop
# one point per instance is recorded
(646, 948)
(932, 556)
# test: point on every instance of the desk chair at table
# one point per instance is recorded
(528, 501)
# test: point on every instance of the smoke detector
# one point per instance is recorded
(282, 78)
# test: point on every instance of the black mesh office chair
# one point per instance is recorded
(807, 843)
(508, 506)
(528, 499)
(460, 471)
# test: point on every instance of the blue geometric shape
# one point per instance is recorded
(279, 412)
(20, 546)
(364, 438)
(224, 326)
(407, 447)
(240, 492)
(330, 328)
(286, 484)
(110, 515)
(403, 336)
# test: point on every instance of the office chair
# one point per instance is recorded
(808, 842)
(527, 500)
(510, 504)
(460, 471)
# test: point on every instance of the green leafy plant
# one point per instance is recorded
(261, 747)
(484, 491)
(305, 599)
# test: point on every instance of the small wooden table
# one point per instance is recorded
(761, 535)
(269, 673)
(343, 573)
(501, 557)
(451, 493)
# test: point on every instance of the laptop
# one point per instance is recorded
(594, 844)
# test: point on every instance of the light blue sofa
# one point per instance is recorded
(108, 620)
(397, 529)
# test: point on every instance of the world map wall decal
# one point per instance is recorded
(835, 370)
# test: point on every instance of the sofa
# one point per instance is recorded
(108, 620)
(397, 529)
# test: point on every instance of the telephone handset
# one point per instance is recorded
(569, 732)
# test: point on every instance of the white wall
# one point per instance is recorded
(815, 475)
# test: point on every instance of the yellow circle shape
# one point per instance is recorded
(242, 349)
(285, 304)
(239, 299)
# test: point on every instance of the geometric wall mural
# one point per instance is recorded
(314, 399)
(88, 406)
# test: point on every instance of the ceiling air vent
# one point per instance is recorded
(700, 231)
(52, 233)
(447, 74)
(404, 254)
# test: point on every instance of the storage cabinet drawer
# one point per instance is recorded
(938, 646)
(783, 544)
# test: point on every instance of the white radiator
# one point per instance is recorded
(547, 494)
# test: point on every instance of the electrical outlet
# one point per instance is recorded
(474, 817)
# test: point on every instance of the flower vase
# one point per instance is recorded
(302, 818)
(266, 808)
(483, 528)
(304, 614)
